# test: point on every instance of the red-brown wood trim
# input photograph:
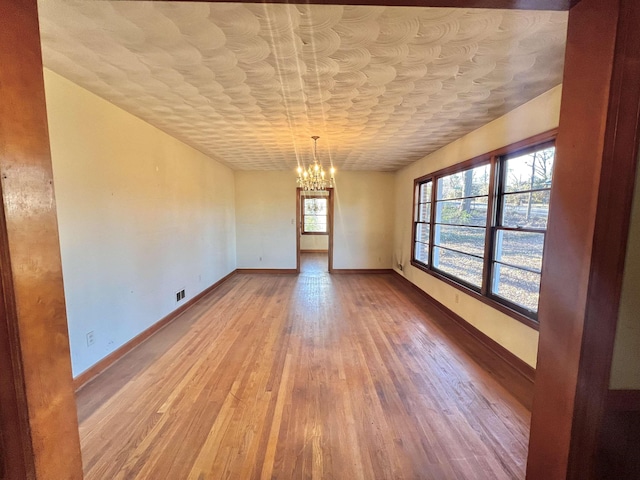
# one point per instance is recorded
(330, 226)
(298, 228)
(268, 271)
(516, 147)
(499, 4)
(617, 182)
(314, 251)
(85, 377)
(33, 287)
(623, 400)
(490, 158)
(489, 230)
(522, 367)
(559, 431)
(478, 296)
(363, 271)
(15, 442)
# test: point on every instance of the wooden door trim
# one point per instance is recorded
(615, 198)
(329, 229)
(34, 320)
(591, 202)
(298, 227)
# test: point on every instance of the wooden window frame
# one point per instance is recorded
(302, 215)
(496, 160)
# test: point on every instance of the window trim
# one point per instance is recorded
(302, 215)
(495, 192)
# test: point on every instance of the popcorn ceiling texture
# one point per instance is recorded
(248, 84)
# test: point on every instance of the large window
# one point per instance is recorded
(481, 225)
(314, 215)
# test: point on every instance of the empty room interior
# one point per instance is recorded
(278, 240)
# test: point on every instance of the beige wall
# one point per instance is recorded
(625, 371)
(266, 210)
(314, 242)
(363, 226)
(265, 219)
(141, 216)
(537, 116)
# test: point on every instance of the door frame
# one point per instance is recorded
(329, 228)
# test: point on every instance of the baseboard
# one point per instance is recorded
(522, 367)
(92, 372)
(314, 251)
(361, 270)
(624, 400)
(266, 270)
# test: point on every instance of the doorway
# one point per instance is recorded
(314, 231)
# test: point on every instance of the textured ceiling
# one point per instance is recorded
(248, 84)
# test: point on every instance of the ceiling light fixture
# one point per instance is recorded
(314, 178)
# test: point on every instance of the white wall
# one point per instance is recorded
(265, 219)
(314, 242)
(625, 371)
(537, 116)
(363, 226)
(141, 215)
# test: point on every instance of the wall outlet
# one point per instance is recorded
(260, 258)
(91, 338)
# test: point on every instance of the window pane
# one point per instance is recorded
(470, 211)
(421, 252)
(315, 206)
(531, 171)
(315, 223)
(470, 183)
(424, 212)
(422, 232)
(464, 267)
(526, 210)
(425, 192)
(465, 239)
(522, 249)
(517, 286)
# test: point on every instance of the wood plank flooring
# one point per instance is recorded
(309, 376)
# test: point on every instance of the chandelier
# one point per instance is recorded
(313, 178)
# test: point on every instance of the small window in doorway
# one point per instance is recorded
(314, 215)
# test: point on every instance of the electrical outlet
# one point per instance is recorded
(90, 338)
(260, 258)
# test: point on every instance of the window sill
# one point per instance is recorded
(529, 322)
(314, 233)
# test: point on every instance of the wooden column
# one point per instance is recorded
(34, 325)
(588, 224)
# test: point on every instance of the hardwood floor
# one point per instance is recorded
(308, 376)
